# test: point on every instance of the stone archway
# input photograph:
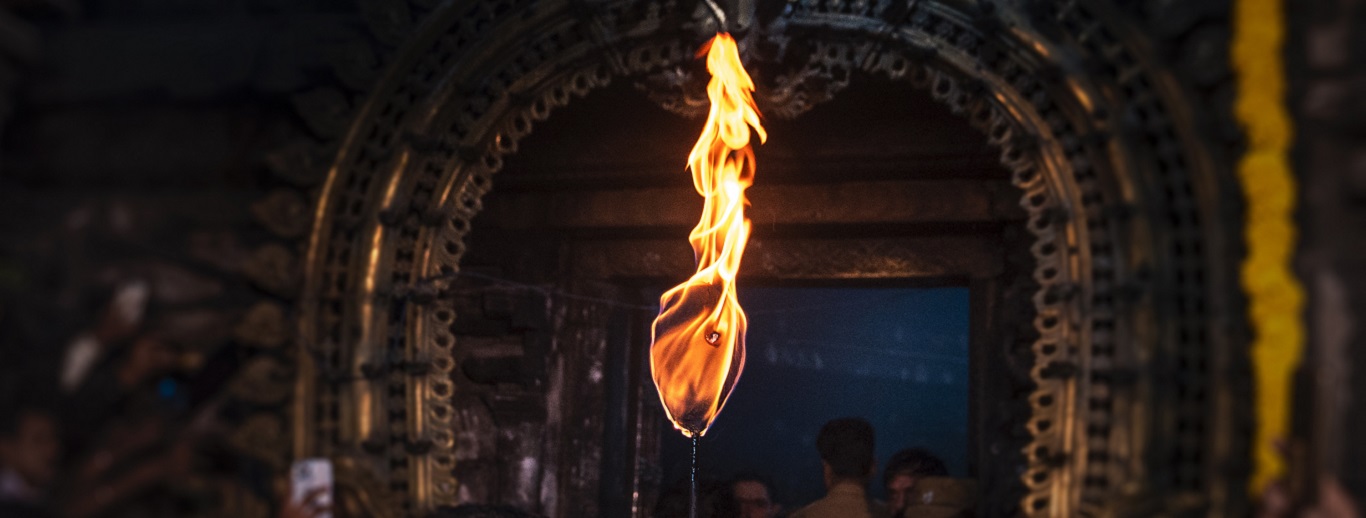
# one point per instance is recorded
(1135, 404)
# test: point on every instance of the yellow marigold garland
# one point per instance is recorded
(1275, 296)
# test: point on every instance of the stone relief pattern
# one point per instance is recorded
(1084, 151)
(356, 186)
(1039, 200)
(454, 147)
(299, 167)
(275, 267)
(1184, 244)
(475, 168)
(1054, 303)
(1022, 153)
(1085, 161)
(436, 340)
(1056, 360)
(1059, 357)
(444, 204)
(644, 59)
(343, 217)
(1052, 273)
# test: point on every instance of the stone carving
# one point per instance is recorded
(683, 90)
(262, 436)
(301, 163)
(273, 269)
(284, 213)
(325, 111)
(360, 494)
(679, 90)
(263, 326)
(264, 381)
(1069, 94)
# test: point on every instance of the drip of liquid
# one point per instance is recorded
(692, 509)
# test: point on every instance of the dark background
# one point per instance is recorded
(897, 357)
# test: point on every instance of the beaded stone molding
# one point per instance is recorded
(1139, 402)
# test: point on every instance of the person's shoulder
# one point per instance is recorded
(812, 510)
(10, 509)
(879, 508)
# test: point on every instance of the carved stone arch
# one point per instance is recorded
(1132, 408)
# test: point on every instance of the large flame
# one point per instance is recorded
(699, 335)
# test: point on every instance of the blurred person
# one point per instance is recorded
(903, 470)
(311, 506)
(118, 320)
(846, 448)
(29, 455)
(674, 500)
(480, 511)
(122, 392)
(941, 497)
(714, 500)
(148, 358)
(107, 371)
(1330, 500)
(753, 496)
(138, 460)
(136, 457)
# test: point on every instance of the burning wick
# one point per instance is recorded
(698, 347)
(692, 508)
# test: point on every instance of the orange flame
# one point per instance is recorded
(699, 336)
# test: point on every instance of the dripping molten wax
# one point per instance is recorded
(698, 348)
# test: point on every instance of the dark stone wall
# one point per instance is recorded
(178, 143)
(140, 143)
(1326, 63)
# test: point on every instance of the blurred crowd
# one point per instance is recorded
(107, 421)
(917, 485)
(62, 451)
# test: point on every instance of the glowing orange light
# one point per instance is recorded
(699, 336)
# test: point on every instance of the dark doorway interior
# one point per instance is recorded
(880, 190)
(895, 356)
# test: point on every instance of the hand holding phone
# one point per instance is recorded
(310, 489)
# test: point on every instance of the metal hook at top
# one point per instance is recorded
(717, 13)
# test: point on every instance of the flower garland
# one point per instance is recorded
(1275, 297)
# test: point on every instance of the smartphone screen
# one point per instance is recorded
(308, 476)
